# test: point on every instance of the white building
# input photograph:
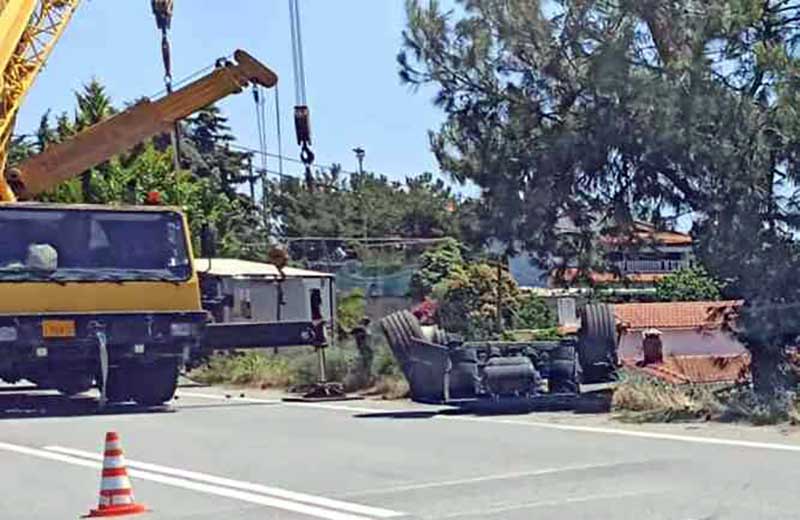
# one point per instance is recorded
(239, 291)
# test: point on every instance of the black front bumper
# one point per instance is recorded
(127, 335)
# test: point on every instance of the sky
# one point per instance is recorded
(353, 90)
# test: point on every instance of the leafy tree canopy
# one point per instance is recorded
(596, 109)
(206, 188)
(689, 284)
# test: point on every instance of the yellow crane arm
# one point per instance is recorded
(29, 29)
(100, 142)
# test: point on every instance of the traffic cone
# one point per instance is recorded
(116, 493)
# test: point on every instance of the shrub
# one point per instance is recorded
(350, 310)
(436, 265)
(468, 303)
(532, 312)
(640, 398)
(688, 284)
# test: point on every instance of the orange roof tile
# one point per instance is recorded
(642, 232)
(696, 369)
(675, 315)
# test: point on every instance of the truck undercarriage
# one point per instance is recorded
(442, 368)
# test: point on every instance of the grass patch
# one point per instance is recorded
(639, 398)
(297, 369)
(252, 368)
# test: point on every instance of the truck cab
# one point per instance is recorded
(100, 295)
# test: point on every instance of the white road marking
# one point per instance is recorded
(551, 426)
(540, 503)
(244, 496)
(477, 480)
(237, 484)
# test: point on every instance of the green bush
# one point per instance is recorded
(436, 266)
(468, 301)
(532, 312)
(689, 284)
(350, 310)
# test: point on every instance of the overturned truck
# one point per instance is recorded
(442, 368)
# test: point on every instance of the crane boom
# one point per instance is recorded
(100, 142)
(29, 29)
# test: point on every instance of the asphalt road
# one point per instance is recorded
(208, 457)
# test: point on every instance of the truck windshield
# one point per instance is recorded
(92, 245)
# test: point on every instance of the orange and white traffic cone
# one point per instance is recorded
(116, 493)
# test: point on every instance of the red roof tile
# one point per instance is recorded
(696, 369)
(675, 315)
(644, 233)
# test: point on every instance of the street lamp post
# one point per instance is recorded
(360, 153)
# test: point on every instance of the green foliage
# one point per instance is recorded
(640, 398)
(350, 310)
(468, 301)
(366, 205)
(689, 284)
(206, 188)
(601, 110)
(435, 266)
(532, 312)
(251, 368)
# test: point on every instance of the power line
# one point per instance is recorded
(297, 161)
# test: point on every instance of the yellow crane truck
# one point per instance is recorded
(104, 295)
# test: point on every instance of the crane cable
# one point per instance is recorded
(302, 121)
(162, 10)
(261, 124)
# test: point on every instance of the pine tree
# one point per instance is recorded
(594, 111)
(94, 105)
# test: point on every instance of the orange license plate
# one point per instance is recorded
(58, 329)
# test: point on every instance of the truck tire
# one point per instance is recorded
(154, 384)
(564, 375)
(400, 328)
(72, 384)
(597, 348)
(118, 389)
(440, 337)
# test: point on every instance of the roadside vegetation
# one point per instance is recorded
(296, 370)
(370, 369)
(642, 399)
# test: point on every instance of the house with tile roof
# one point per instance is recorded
(685, 328)
(681, 342)
(638, 255)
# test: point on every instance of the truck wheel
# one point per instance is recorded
(155, 384)
(564, 376)
(597, 349)
(440, 337)
(399, 328)
(118, 388)
(73, 384)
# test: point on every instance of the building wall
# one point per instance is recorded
(257, 300)
(682, 342)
